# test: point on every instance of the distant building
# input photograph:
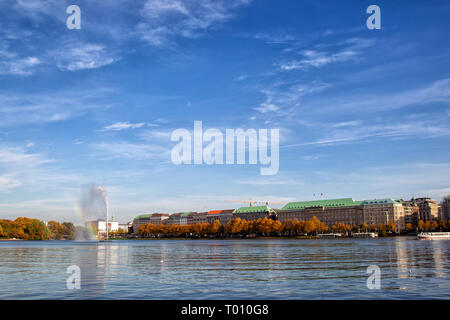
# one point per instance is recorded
(174, 218)
(383, 211)
(411, 211)
(199, 217)
(153, 218)
(99, 226)
(254, 213)
(445, 209)
(330, 212)
(224, 216)
(125, 227)
(187, 218)
(346, 210)
(428, 209)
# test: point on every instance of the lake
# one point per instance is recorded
(226, 269)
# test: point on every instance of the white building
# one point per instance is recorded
(100, 226)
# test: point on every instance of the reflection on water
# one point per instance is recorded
(226, 269)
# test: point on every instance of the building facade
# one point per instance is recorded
(200, 217)
(174, 218)
(330, 212)
(383, 211)
(99, 226)
(445, 209)
(428, 209)
(348, 211)
(153, 218)
(411, 212)
(254, 213)
(224, 216)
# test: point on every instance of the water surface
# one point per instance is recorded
(226, 269)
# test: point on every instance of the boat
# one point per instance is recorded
(365, 235)
(434, 236)
(329, 235)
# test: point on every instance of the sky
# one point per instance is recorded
(362, 113)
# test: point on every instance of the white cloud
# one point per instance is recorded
(437, 91)
(364, 132)
(275, 38)
(44, 107)
(346, 124)
(118, 126)
(267, 107)
(166, 19)
(21, 168)
(317, 59)
(75, 57)
(19, 157)
(20, 66)
(283, 101)
(7, 182)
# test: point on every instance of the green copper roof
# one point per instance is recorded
(144, 216)
(185, 214)
(380, 201)
(253, 209)
(344, 202)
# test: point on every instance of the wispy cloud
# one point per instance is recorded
(83, 56)
(21, 168)
(337, 135)
(435, 92)
(317, 57)
(134, 151)
(284, 100)
(19, 66)
(275, 38)
(165, 20)
(43, 108)
(119, 126)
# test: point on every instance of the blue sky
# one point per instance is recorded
(362, 113)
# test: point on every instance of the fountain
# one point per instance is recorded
(93, 205)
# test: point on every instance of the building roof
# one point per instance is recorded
(221, 211)
(253, 209)
(330, 203)
(142, 216)
(380, 201)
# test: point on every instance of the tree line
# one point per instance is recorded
(256, 228)
(428, 226)
(34, 229)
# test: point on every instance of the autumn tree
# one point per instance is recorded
(391, 226)
(434, 225)
(421, 225)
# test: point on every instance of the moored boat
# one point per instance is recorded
(365, 235)
(329, 235)
(434, 236)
